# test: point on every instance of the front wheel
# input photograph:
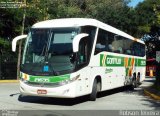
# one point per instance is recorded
(93, 95)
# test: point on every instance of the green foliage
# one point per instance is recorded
(144, 19)
(135, 21)
(5, 51)
(10, 20)
(4, 43)
(145, 12)
(157, 12)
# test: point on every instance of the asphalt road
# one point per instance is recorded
(117, 99)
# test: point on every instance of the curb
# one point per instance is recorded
(156, 97)
(9, 81)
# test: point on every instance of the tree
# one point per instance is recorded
(9, 21)
(152, 38)
(157, 34)
(135, 21)
(145, 16)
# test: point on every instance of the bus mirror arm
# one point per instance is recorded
(14, 41)
(76, 41)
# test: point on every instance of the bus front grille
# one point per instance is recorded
(35, 84)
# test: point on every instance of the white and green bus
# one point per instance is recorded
(72, 57)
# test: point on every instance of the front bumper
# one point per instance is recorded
(65, 91)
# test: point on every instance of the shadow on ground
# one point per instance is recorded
(75, 101)
(67, 101)
(52, 101)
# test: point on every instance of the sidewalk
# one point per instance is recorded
(152, 92)
(9, 81)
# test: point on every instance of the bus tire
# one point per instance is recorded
(138, 80)
(21, 97)
(134, 82)
(93, 94)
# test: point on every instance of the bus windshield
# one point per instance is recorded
(48, 51)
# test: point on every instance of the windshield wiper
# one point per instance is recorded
(47, 47)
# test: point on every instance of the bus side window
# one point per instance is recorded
(110, 48)
(136, 49)
(85, 46)
(117, 43)
(101, 42)
(128, 46)
(128, 52)
(142, 50)
(82, 54)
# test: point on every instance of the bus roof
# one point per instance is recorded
(77, 22)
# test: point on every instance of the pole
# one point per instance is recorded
(20, 43)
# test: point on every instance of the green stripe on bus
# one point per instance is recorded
(50, 79)
(117, 61)
(141, 62)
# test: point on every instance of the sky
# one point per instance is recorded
(133, 3)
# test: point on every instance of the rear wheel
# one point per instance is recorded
(133, 83)
(95, 87)
(136, 81)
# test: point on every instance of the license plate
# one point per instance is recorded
(41, 91)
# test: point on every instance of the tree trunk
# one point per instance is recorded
(20, 44)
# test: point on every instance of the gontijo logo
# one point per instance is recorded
(108, 60)
(114, 60)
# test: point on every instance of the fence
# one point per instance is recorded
(8, 70)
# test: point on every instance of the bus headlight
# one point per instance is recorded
(24, 78)
(69, 80)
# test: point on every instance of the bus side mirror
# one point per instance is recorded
(76, 41)
(14, 41)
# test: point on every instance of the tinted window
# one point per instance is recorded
(86, 43)
(139, 49)
(128, 46)
(107, 41)
(101, 44)
(117, 44)
(110, 42)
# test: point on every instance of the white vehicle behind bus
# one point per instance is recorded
(72, 57)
